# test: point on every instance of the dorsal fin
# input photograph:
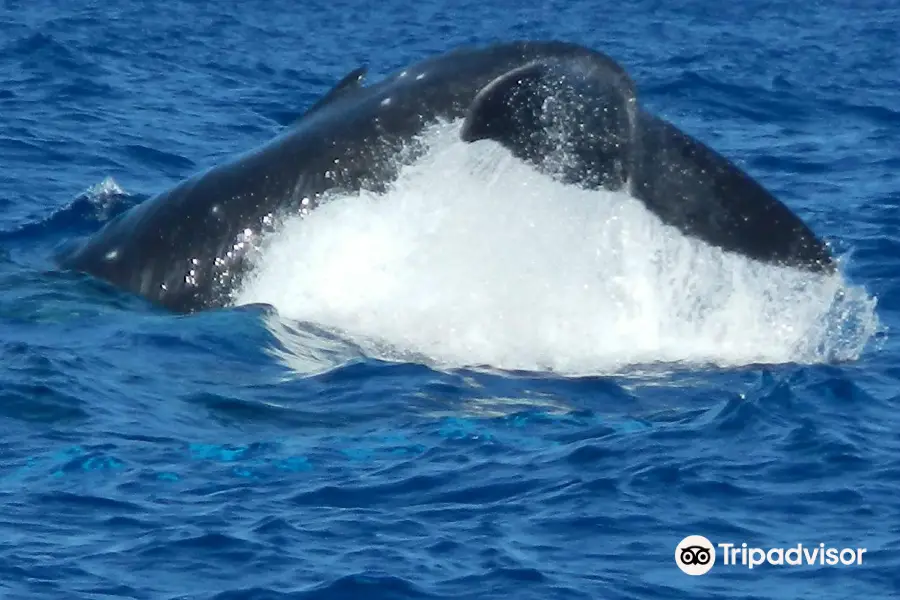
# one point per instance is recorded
(352, 81)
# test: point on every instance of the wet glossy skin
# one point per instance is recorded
(609, 141)
(185, 249)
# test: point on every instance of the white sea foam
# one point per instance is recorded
(473, 258)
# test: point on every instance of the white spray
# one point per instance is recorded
(474, 258)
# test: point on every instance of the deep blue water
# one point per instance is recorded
(560, 453)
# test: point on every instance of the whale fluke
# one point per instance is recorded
(579, 120)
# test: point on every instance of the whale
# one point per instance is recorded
(567, 110)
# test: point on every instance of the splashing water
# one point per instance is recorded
(474, 258)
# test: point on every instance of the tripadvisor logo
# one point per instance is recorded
(696, 555)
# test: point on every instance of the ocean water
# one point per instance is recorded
(480, 384)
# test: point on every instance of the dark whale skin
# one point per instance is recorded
(185, 249)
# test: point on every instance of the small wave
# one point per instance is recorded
(46, 53)
(106, 189)
(100, 202)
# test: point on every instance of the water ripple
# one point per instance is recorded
(242, 454)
